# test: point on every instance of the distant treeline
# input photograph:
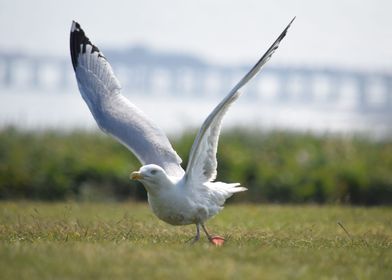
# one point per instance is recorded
(275, 167)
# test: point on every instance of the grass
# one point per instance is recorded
(125, 241)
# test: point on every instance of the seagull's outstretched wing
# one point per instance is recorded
(113, 112)
(202, 159)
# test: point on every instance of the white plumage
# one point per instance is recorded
(176, 196)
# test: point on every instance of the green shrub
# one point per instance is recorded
(275, 167)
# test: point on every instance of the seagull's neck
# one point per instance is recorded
(164, 184)
(175, 180)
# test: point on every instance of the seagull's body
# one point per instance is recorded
(175, 195)
(197, 202)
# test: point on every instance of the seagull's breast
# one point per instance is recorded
(178, 207)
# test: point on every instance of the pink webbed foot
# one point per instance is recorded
(217, 240)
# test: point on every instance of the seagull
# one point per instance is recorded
(175, 195)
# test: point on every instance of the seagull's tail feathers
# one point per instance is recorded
(220, 191)
(228, 189)
(223, 191)
(235, 188)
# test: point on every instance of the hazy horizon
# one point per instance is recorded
(338, 34)
(334, 33)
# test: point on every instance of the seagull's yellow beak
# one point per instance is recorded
(136, 175)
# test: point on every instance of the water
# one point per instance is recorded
(67, 110)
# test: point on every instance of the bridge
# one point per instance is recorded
(142, 71)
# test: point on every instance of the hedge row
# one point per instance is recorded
(276, 167)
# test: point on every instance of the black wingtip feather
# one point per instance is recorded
(283, 34)
(78, 42)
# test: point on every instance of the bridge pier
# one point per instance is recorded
(283, 91)
(361, 93)
(64, 69)
(35, 68)
(335, 83)
(388, 98)
(307, 94)
(7, 77)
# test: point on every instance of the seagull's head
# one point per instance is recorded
(152, 176)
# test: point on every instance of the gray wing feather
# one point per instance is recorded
(202, 162)
(114, 113)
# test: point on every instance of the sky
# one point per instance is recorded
(339, 33)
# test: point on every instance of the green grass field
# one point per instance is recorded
(125, 241)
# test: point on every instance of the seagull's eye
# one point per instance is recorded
(153, 172)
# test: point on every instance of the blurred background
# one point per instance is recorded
(315, 125)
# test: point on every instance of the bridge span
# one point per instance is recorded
(141, 72)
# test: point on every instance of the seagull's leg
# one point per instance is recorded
(193, 240)
(216, 240)
(206, 232)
